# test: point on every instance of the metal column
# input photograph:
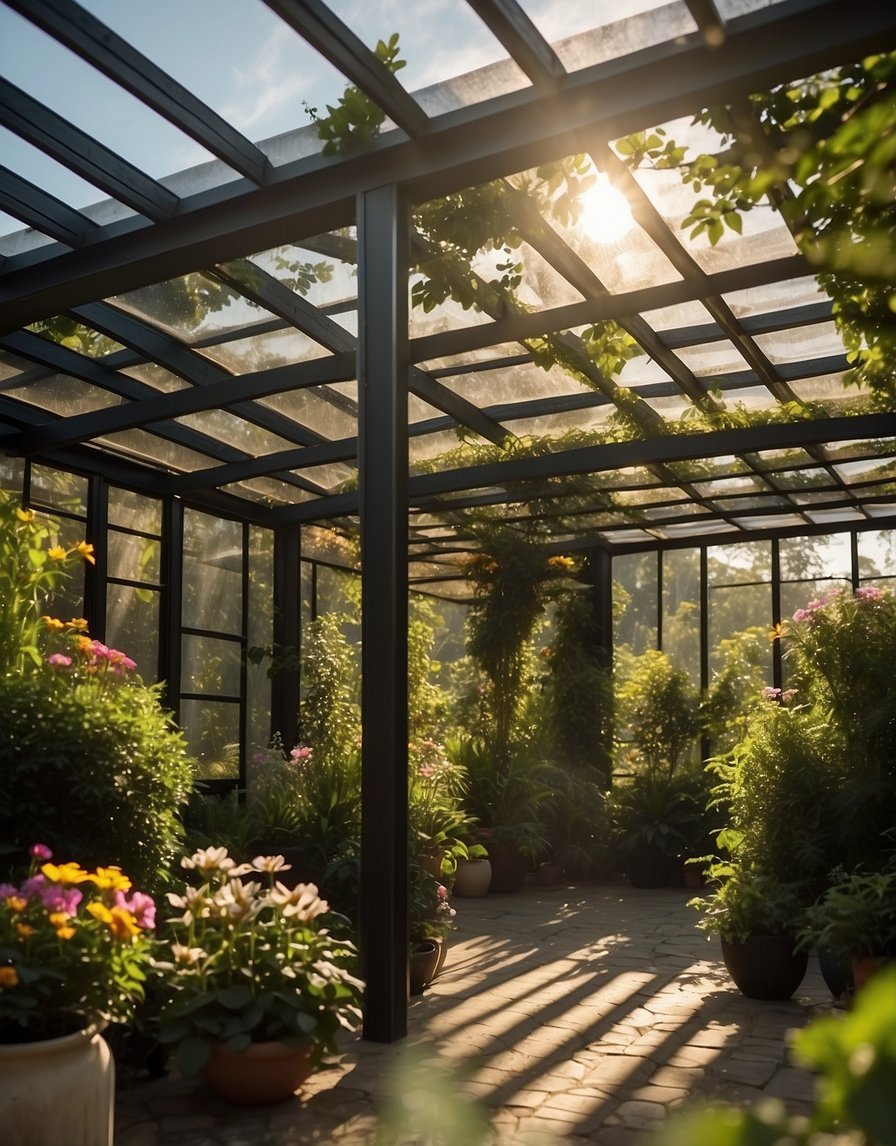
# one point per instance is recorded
(383, 243)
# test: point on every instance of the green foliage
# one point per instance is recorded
(733, 691)
(33, 565)
(856, 915)
(356, 120)
(657, 811)
(746, 901)
(658, 707)
(96, 773)
(579, 691)
(330, 713)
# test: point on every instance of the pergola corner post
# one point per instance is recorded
(285, 682)
(383, 361)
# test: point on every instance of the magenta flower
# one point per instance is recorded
(8, 889)
(771, 693)
(302, 752)
(141, 906)
(802, 615)
(59, 660)
(64, 899)
(41, 851)
(869, 593)
(34, 885)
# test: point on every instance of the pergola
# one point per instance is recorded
(334, 401)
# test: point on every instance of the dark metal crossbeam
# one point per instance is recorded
(616, 455)
(106, 51)
(83, 154)
(507, 21)
(337, 42)
(509, 133)
(44, 212)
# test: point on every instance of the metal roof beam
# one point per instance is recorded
(81, 153)
(44, 212)
(510, 133)
(337, 43)
(509, 24)
(106, 51)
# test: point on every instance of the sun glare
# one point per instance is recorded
(606, 214)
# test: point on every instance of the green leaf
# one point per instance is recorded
(234, 997)
(192, 1055)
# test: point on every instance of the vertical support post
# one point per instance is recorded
(383, 359)
(287, 632)
(777, 656)
(660, 611)
(172, 601)
(704, 639)
(95, 575)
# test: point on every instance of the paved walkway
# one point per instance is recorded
(574, 1014)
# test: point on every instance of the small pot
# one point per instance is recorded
(472, 877)
(422, 964)
(262, 1073)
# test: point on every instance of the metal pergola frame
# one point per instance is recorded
(81, 262)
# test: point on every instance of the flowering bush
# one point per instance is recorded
(89, 760)
(438, 822)
(73, 946)
(431, 914)
(246, 961)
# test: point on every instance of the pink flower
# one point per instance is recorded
(34, 885)
(869, 593)
(141, 906)
(41, 851)
(802, 615)
(59, 660)
(64, 899)
(771, 694)
(8, 889)
(302, 752)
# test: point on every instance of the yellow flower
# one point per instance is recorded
(119, 920)
(111, 878)
(25, 930)
(54, 625)
(57, 553)
(85, 645)
(564, 563)
(64, 873)
(9, 977)
(86, 551)
(65, 932)
(16, 903)
(78, 623)
(26, 515)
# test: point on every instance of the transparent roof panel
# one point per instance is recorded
(90, 101)
(439, 40)
(262, 88)
(772, 297)
(585, 34)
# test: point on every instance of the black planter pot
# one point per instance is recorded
(836, 972)
(765, 966)
(509, 868)
(647, 866)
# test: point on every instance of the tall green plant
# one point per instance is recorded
(330, 713)
(658, 706)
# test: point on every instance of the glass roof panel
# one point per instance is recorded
(268, 490)
(772, 297)
(584, 34)
(265, 351)
(148, 447)
(440, 42)
(800, 343)
(90, 101)
(237, 432)
(310, 409)
(245, 62)
(61, 394)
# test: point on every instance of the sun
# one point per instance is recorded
(606, 215)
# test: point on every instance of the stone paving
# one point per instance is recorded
(577, 1014)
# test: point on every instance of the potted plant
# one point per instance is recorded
(757, 918)
(255, 987)
(854, 921)
(654, 818)
(74, 948)
(431, 918)
(472, 870)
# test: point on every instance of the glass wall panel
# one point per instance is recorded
(58, 490)
(134, 557)
(733, 609)
(212, 730)
(132, 625)
(134, 511)
(12, 474)
(877, 554)
(211, 666)
(635, 602)
(213, 573)
(681, 610)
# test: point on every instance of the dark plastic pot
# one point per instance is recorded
(648, 866)
(836, 972)
(509, 868)
(765, 966)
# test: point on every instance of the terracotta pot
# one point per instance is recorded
(550, 874)
(864, 966)
(57, 1091)
(765, 966)
(431, 862)
(422, 965)
(262, 1073)
(473, 877)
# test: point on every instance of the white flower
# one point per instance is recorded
(270, 863)
(208, 861)
(187, 956)
(301, 902)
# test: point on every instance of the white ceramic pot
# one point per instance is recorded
(57, 1091)
(473, 877)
